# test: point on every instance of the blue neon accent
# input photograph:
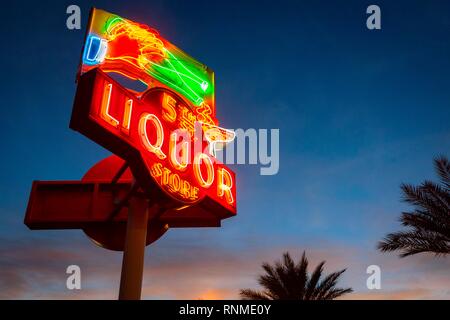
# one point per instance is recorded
(95, 50)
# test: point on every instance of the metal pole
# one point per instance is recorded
(133, 254)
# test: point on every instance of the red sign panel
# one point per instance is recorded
(160, 136)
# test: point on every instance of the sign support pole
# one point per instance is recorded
(133, 254)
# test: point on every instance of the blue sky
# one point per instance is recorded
(359, 112)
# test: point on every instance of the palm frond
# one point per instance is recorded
(337, 292)
(442, 166)
(327, 284)
(272, 282)
(248, 294)
(413, 242)
(429, 224)
(302, 277)
(314, 281)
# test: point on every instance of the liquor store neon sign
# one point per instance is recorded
(163, 129)
(169, 133)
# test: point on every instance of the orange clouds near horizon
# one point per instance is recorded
(195, 269)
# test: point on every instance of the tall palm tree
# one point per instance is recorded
(429, 223)
(291, 281)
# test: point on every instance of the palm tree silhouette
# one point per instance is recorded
(429, 222)
(290, 281)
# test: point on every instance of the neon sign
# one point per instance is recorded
(115, 44)
(169, 133)
(149, 131)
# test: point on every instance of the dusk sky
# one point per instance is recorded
(359, 112)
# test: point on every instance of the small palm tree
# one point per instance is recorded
(290, 281)
(429, 223)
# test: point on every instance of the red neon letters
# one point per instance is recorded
(166, 133)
